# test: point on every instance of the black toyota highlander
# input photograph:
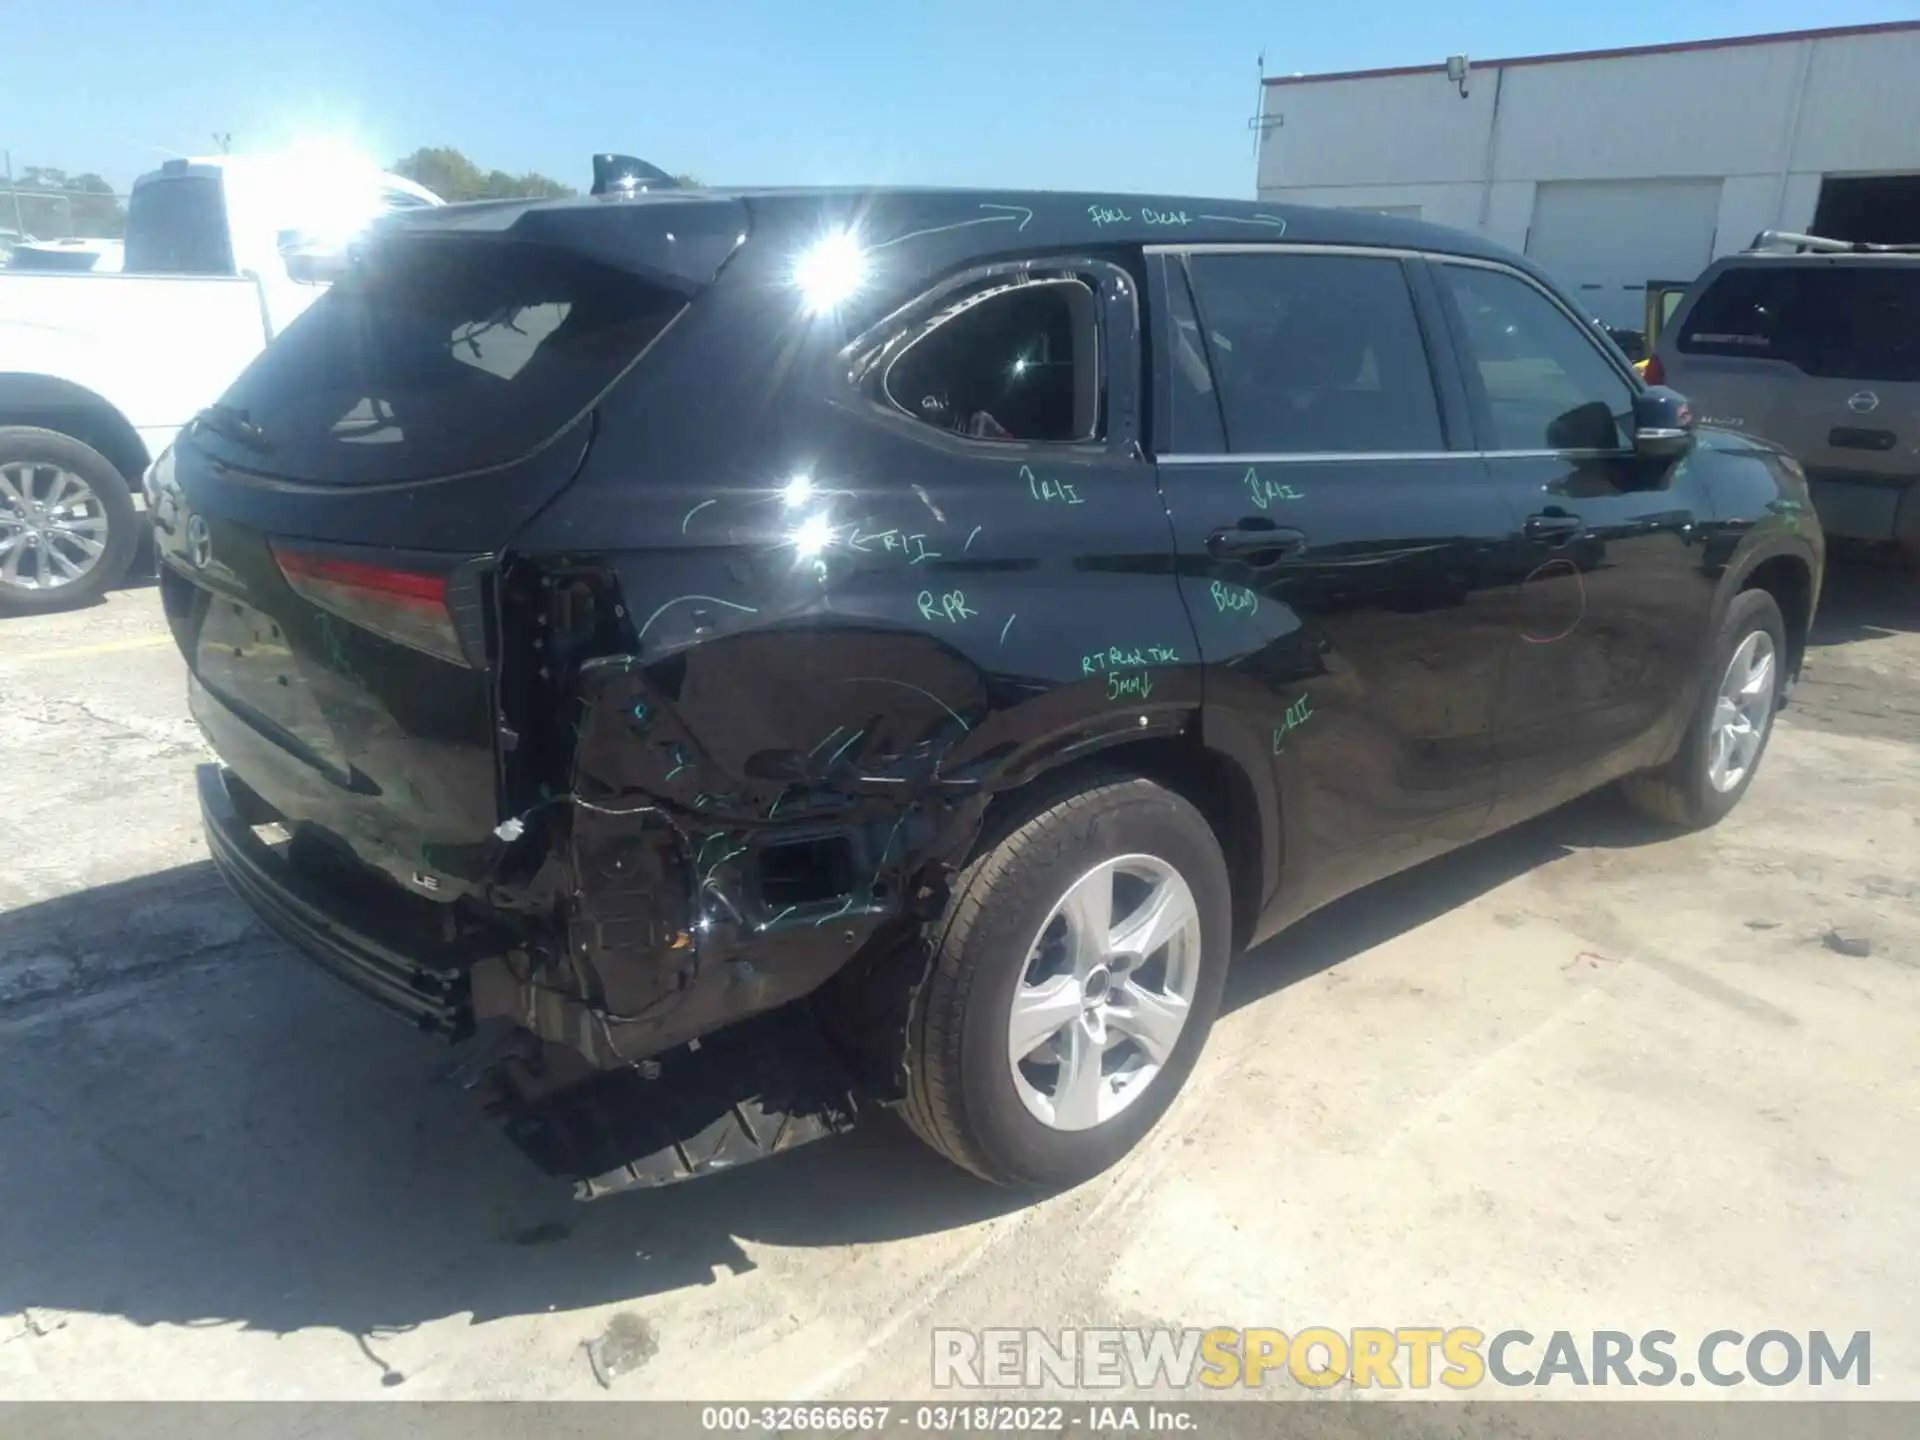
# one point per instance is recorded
(735, 657)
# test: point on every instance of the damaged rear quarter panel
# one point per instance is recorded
(768, 718)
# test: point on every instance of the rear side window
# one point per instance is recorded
(1314, 354)
(1741, 313)
(1014, 361)
(433, 357)
(1853, 322)
(179, 227)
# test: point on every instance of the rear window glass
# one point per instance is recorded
(434, 357)
(1855, 322)
(178, 227)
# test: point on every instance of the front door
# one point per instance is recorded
(1614, 603)
(1339, 550)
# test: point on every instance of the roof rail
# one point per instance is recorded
(1820, 245)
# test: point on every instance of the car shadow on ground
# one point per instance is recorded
(1391, 907)
(1867, 595)
(229, 1136)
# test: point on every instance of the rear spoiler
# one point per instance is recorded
(1821, 245)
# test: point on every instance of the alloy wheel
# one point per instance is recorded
(1741, 712)
(53, 528)
(1104, 992)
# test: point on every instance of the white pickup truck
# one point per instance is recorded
(98, 372)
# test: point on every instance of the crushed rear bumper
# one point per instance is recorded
(369, 946)
(753, 1090)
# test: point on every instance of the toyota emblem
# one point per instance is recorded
(1861, 401)
(199, 543)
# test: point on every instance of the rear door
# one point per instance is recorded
(329, 529)
(1613, 601)
(1339, 549)
(1822, 356)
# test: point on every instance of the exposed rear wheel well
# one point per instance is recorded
(866, 1006)
(59, 405)
(1790, 582)
(1212, 784)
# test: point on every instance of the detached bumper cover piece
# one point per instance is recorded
(353, 942)
(750, 1091)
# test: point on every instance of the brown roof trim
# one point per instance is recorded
(1781, 37)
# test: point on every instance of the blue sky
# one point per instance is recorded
(1121, 95)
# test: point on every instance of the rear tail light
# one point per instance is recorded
(405, 606)
(1653, 372)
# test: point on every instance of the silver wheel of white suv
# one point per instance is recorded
(67, 522)
(53, 528)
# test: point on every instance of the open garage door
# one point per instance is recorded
(1606, 238)
(1880, 209)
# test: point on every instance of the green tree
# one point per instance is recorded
(452, 176)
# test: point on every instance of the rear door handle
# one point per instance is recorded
(1257, 545)
(1552, 527)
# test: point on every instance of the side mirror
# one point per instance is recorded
(1662, 423)
(309, 260)
(316, 267)
(1585, 427)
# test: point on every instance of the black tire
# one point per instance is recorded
(961, 1097)
(1680, 793)
(49, 447)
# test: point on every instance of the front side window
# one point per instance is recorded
(1535, 375)
(319, 256)
(1010, 360)
(392, 200)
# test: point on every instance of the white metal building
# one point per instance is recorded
(1616, 167)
